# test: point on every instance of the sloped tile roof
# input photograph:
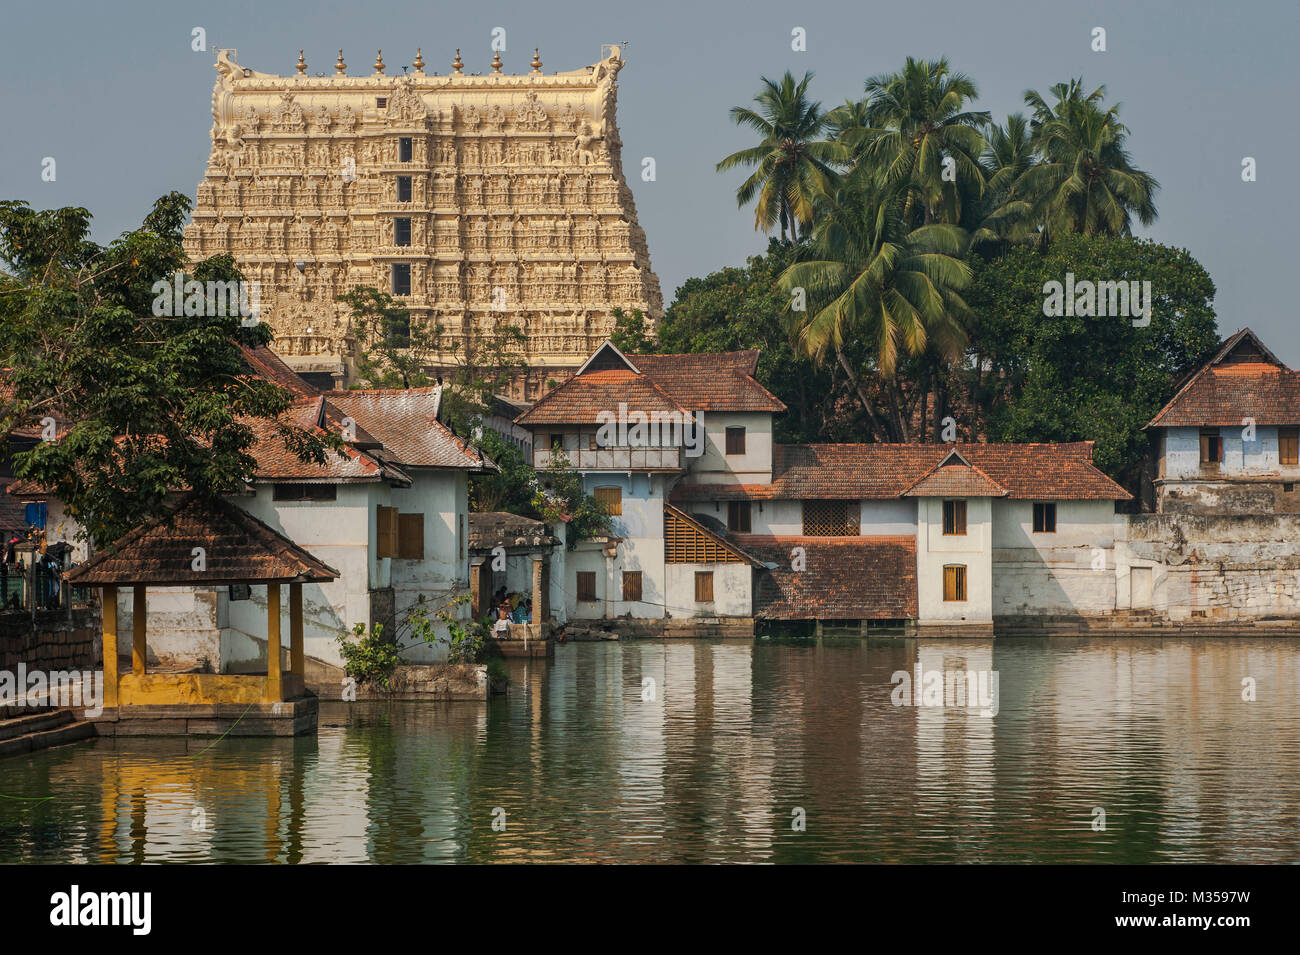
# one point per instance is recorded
(713, 381)
(275, 462)
(1243, 380)
(955, 477)
(488, 529)
(265, 363)
(845, 578)
(239, 549)
(13, 514)
(883, 471)
(406, 423)
(581, 398)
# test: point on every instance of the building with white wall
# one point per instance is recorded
(717, 525)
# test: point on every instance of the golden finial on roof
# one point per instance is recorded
(302, 64)
(496, 61)
(419, 60)
(456, 64)
(339, 65)
(537, 61)
(379, 61)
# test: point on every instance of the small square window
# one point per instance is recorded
(381, 102)
(241, 592)
(610, 499)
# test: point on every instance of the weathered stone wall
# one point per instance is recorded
(1208, 567)
(1243, 497)
(58, 642)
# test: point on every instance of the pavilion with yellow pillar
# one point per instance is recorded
(204, 542)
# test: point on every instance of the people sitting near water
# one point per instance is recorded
(520, 614)
(501, 628)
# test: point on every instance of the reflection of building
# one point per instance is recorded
(475, 199)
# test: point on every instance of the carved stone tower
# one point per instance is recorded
(476, 200)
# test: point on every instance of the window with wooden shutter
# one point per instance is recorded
(631, 585)
(611, 499)
(831, 518)
(587, 586)
(1288, 446)
(1044, 517)
(954, 582)
(704, 586)
(410, 536)
(1211, 447)
(738, 517)
(386, 539)
(735, 440)
(954, 517)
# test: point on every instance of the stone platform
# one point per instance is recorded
(296, 717)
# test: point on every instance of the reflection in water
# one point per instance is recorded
(701, 751)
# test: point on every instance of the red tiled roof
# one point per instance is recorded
(267, 364)
(844, 578)
(713, 381)
(881, 471)
(1243, 380)
(13, 514)
(581, 398)
(955, 477)
(275, 462)
(238, 549)
(406, 423)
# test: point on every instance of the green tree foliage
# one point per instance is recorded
(148, 404)
(396, 352)
(1039, 378)
(735, 309)
(792, 162)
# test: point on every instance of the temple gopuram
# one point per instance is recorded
(477, 200)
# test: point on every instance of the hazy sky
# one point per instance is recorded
(115, 94)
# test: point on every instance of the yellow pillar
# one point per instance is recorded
(108, 597)
(139, 613)
(272, 693)
(296, 661)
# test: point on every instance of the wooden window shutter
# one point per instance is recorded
(631, 585)
(410, 536)
(704, 586)
(387, 532)
(611, 499)
(587, 586)
(735, 440)
(1288, 445)
(954, 517)
(954, 582)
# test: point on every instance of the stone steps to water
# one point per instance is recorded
(24, 734)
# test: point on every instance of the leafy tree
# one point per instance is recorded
(868, 275)
(148, 403)
(793, 162)
(396, 352)
(917, 119)
(631, 332)
(561, 498)
(1086, 181)
(735, 309)
(1038, 378)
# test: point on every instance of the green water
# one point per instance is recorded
(731, 748)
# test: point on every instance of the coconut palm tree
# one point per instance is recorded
(792, 162)
(869, 275)
(1001, 214)
(917, 121)
(1086, 181)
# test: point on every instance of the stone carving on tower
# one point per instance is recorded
(502, 196)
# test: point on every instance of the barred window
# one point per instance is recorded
(738, 516)
(954, 582)
(831, 518)
(610, 499)
(1044, 517)
(954, 517)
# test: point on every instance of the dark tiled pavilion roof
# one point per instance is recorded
(239, 548)
(846, 578)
